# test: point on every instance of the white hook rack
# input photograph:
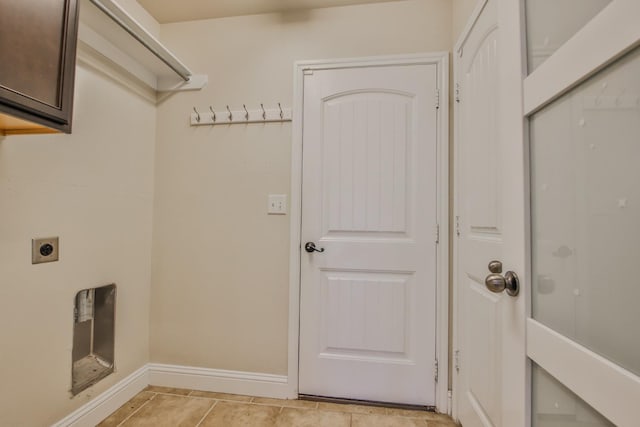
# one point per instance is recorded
(211, 116)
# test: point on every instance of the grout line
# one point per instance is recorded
(136, 411)
(172, 394)
(215, 402)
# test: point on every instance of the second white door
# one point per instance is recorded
(368, 299)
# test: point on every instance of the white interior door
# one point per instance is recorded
(489, 356)
(367, 302)
(563, 212)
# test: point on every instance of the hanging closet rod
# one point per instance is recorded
(131, 26)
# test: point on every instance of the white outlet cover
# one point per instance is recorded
(277, 204)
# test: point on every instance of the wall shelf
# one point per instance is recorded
(111, 31)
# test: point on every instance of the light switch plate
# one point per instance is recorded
(44, 250)
(277, 204)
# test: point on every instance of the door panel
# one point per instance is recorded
(367, 303)
(367, 152)
(489, 327)
(366, 314)
(550, 23)
(585, 241)
(479, 215)
(551, 402)
(482, 341)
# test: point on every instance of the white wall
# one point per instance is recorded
(94, 189)
(220, 272)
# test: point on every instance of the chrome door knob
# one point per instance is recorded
(497, 283)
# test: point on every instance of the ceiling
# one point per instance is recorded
(165, 11)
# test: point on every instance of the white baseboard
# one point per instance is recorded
(104, 404)
(236, 382)
(219, 380)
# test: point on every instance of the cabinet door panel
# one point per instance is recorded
(37, 53)
(30, 47)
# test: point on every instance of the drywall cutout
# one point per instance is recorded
(93, 336)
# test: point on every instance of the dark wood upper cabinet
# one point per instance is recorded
(37, 61)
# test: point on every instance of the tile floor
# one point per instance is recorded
(171, 407)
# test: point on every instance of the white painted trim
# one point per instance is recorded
(441, 60)
(205, 379)
(219, 380)
(584, 54)
(610, 389)
(106, 403)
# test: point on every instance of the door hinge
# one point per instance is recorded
(458, 92)
(437, 99)
(435, 370)
(456, 358)
(457, 226)
(437, 233)
(307, 72)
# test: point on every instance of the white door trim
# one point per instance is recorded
(441, 60)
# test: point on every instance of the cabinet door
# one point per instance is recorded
(38, 49)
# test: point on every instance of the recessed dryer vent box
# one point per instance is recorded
(93, 336)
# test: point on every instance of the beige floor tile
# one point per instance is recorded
(221, 396)
(449, 423)
(352, 409)
(239, 414)
(295, 417)
(417, 414)
(288, 403)
(170, 411)
(168, 390)
(127, 409)
(376, 420)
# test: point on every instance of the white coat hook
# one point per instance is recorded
(242, 115)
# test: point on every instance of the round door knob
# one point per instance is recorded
(311, 247)
(497, 283)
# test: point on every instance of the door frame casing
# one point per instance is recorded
(441, 61)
